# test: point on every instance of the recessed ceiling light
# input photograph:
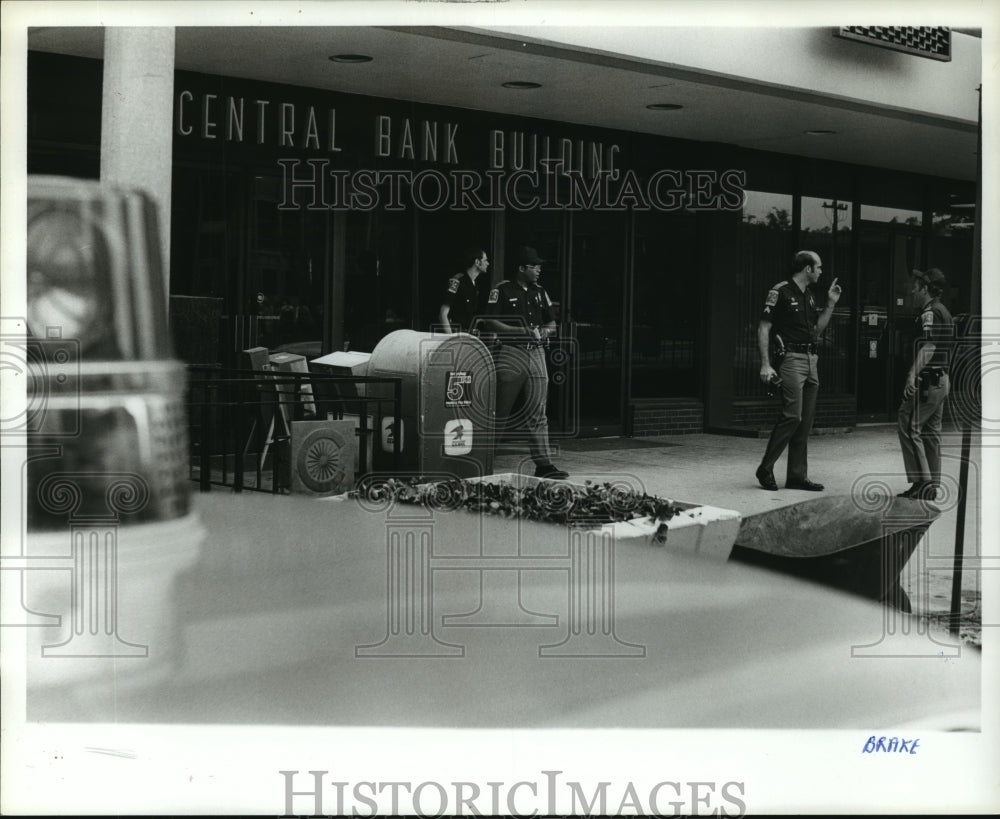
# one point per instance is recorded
(522, 85)
(351, 58)
(664, 106)
(818, 132)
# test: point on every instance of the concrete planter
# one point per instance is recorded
(707, 531)
(855, 544)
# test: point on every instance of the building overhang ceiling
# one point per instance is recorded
(466, 68)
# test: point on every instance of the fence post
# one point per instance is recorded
(205, 456)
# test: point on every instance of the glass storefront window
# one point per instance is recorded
(951, 250)
(287, 266)
(205, 237)
(378, 292)
(765, 253)
(445, 237)
(667, 312)
(597, 280)
(953, 222)
(825, 227)
(899, 216)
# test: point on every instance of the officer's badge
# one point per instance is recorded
(772, 298)
(494, 297)
(452, 285)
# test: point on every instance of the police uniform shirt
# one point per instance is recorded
(462, 298)
(792, 312)
(934, 325)
(513, 304)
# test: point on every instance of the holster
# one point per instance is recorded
(930, 377)
(777, 351)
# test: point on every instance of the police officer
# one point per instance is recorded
(791, 311)
(927, 386)
(521, 314)
(462, 302)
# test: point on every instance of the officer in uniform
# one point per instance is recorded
(791, 312)
(926, 387)
(461, 302)
(521, 315)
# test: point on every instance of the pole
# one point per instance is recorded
(975, 313)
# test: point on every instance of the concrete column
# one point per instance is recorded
(137, 117)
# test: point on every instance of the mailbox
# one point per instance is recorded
(447, 420)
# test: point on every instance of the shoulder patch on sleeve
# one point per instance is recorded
(772, 297)
(494, 296)
(452, 285)
(927, 319)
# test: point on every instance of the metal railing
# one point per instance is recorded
(239, 421)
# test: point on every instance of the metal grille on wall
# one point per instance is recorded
(933, 42)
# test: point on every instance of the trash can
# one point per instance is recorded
(448, 403)
(335, 397)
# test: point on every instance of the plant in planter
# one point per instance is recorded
(593, 504)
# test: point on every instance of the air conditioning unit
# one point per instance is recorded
(323, 457)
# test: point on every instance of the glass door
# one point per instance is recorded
(288, 262)
(597, 276)
(886, 255)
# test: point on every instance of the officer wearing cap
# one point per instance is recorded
(927, 386)
(791, 312)
(520, 313)
(461, 302)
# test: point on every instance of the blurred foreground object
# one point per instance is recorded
(107, 491)
(288, 619)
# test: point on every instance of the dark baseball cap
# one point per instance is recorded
(932, 276)
(529, 255)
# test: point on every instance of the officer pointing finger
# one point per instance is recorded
(787, 333)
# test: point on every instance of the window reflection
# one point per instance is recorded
(899, 216)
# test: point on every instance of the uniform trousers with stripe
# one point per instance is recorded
(799, 387)
(522, 371)
(919, 429)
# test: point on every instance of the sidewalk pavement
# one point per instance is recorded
(718, 470)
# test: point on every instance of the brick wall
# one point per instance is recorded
(673, 417)
(834, 411)
(687, 416)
